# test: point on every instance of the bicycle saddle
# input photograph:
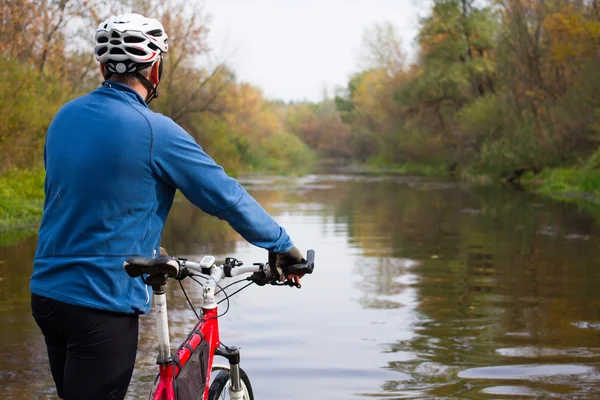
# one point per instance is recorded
(138, 266)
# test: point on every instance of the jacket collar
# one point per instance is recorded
(126, 90)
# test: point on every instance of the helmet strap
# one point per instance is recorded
(152, 89)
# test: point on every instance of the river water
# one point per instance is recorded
(423, 289)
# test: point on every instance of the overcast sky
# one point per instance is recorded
(293, 49)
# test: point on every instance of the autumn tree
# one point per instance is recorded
(321, 128)
(47, 59)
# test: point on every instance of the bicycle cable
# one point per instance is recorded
(199, 276)
(221, 289)
(226, 298)
(231, 284)
(195, 280)
(231, 295)
(188, 299)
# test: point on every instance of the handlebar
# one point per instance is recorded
(306, 267)
(233, 267)
(158, 269)
(235, 271)
(155, 272)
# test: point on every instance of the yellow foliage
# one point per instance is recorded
(248, 114)
(572, 35)
(429, 44)
(370, 95)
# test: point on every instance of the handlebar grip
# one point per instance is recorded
(306, 267)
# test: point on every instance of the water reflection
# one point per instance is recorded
(423, 289)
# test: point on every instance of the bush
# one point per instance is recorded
(21, 197)
(282, 152)
(481, 120)
(28, 102)
(516, 148)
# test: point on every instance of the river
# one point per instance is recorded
(423, 289)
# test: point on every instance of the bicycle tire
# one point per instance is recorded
(219, 388)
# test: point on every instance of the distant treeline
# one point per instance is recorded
(497, 87)
(47, 59)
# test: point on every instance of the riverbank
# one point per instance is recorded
(575, 185)
(394, 169)
(22, 194)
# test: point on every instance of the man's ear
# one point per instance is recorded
(103, 70)
(154, 72)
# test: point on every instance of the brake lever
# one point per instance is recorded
(183, 272)
(289, 283)
(292, 284)
(261, 279)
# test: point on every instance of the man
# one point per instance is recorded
(112, 168)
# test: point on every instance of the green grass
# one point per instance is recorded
(21, 199)
(376, 167)
(566, 184)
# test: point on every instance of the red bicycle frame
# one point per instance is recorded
(206, 329)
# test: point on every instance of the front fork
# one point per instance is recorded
(232, 354)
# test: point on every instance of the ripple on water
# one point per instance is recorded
(378, 303)
(521, 372)
(511, 391)
(586, 325)
(536, 352)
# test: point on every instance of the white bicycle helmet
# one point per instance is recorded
(129, 42)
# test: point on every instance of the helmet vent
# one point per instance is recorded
(115, 35)
(133, 39)
(116, 50)
(135, 51)
(115, 42)
(155, 32)
(101, 51)
(102, 39)
(152, 46)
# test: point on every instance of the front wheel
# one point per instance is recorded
(219, 388)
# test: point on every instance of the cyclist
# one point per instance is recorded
(112, 168)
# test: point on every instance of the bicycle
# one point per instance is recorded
(186, 375)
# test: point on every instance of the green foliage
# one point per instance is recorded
(481, 120)
(28, 101)
(381, 166)
(567, 184)
(593, 163)
(282, 152)
(21, 197)
(515, 148)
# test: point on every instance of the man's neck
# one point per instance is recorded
(138, 87)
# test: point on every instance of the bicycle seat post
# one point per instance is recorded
(158, 282)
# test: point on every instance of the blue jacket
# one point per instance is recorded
(112, 168)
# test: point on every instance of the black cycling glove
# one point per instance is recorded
(279, 260)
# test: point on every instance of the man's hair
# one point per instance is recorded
(131, 78)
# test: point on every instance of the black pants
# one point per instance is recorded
(91, 352)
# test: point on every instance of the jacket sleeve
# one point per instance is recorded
(181, 163)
